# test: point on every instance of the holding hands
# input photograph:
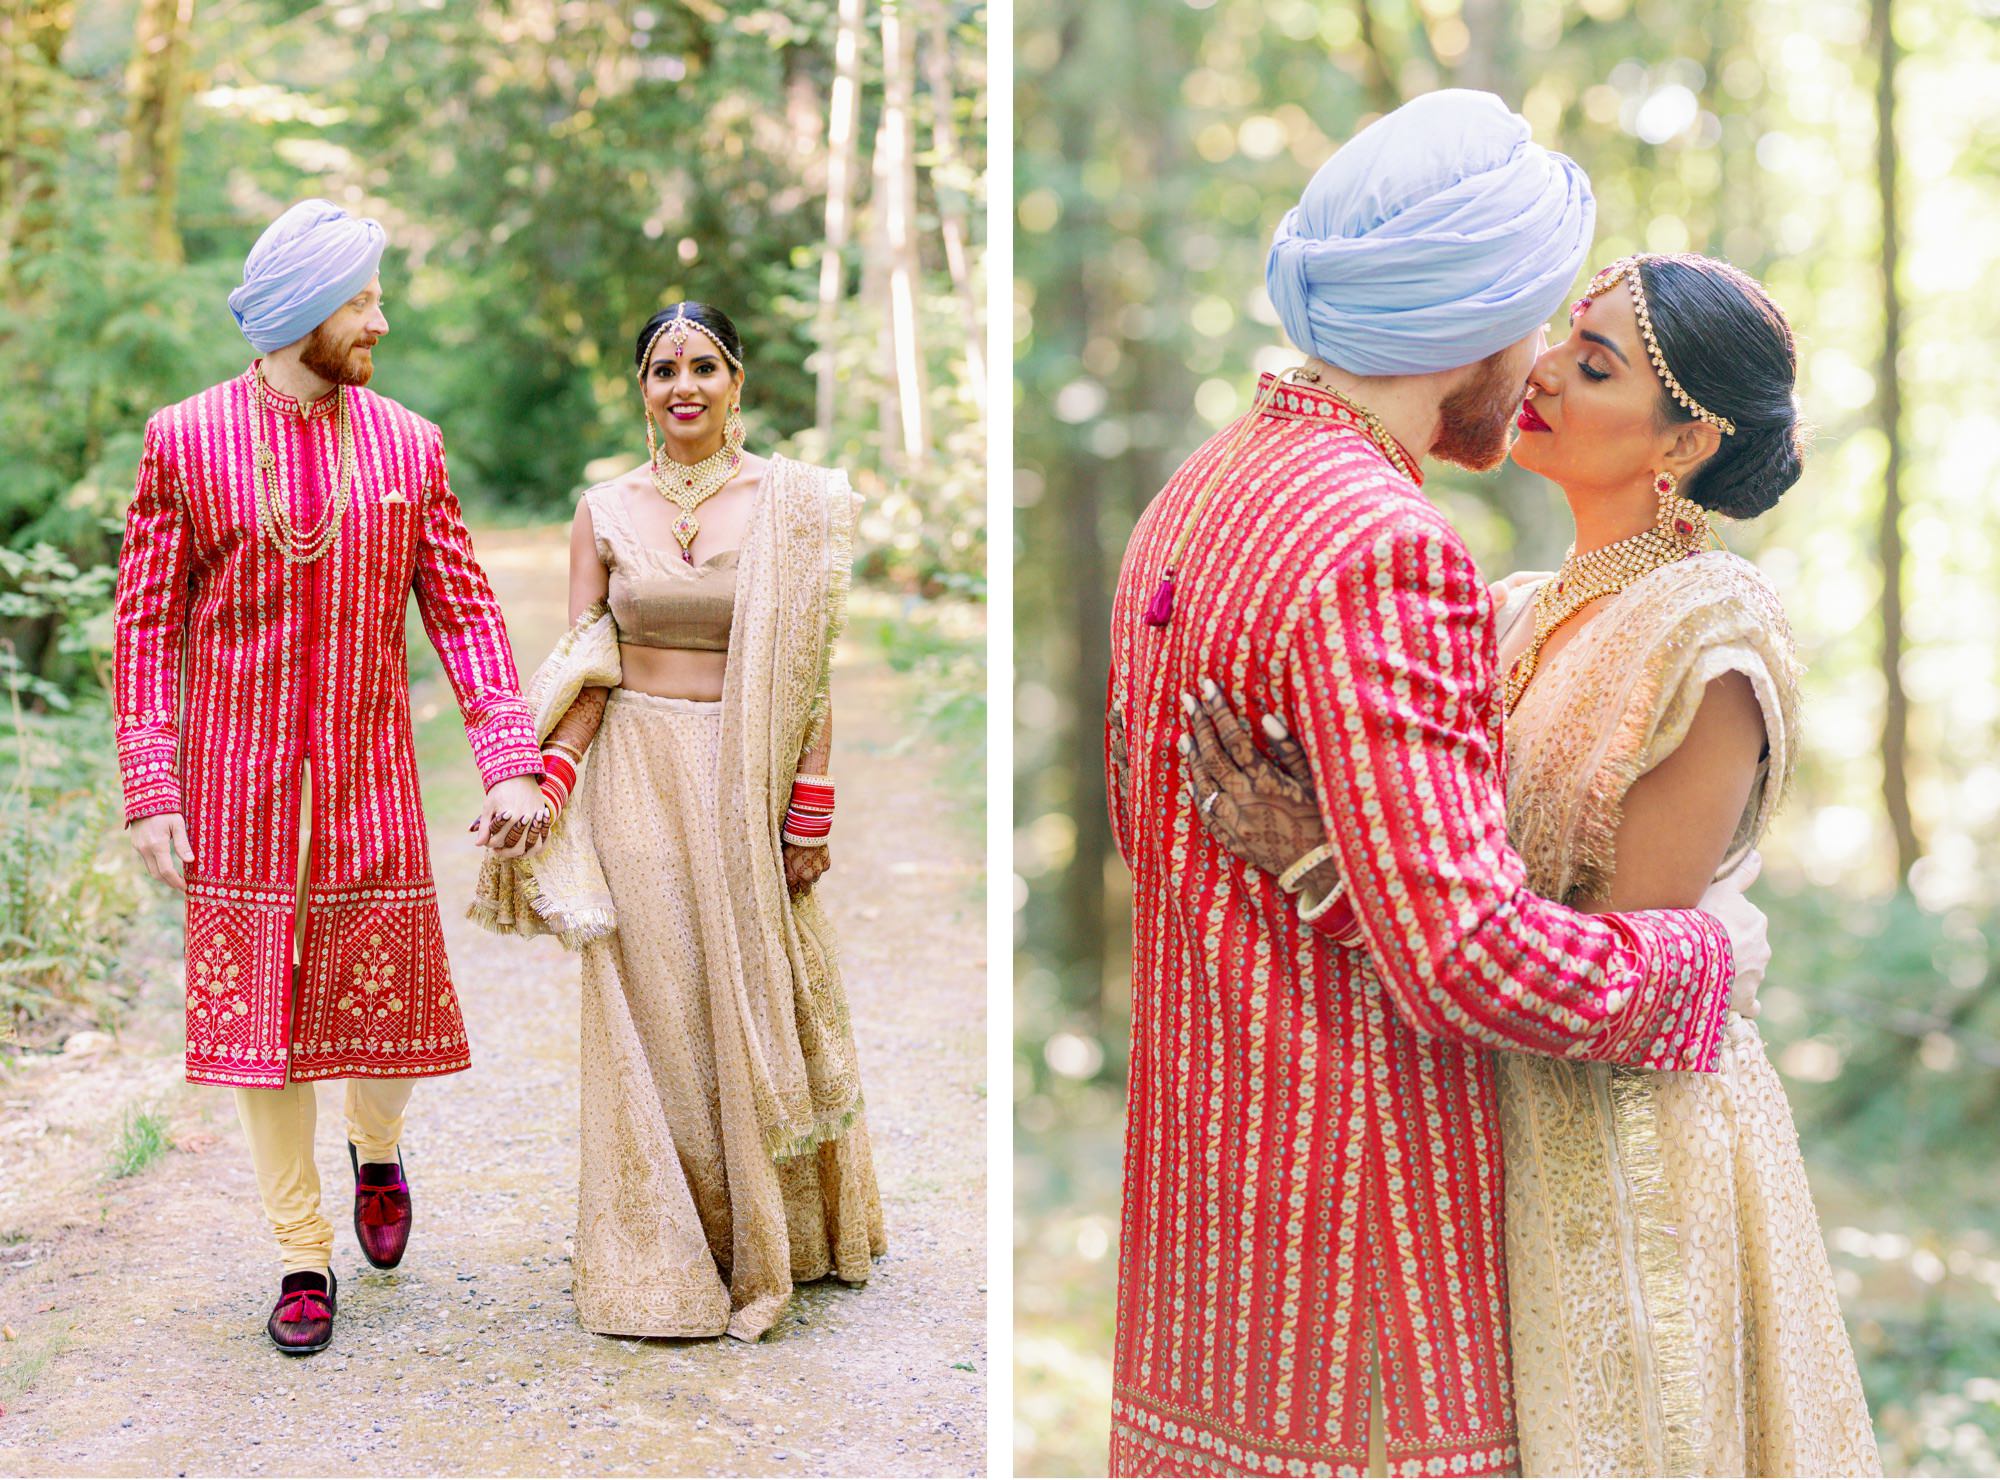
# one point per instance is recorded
(516, 820)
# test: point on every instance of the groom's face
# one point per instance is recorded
(1477, 418)
(342, 349)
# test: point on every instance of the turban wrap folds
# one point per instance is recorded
(1437, 235)
(307, 263)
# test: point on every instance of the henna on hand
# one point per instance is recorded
(578, 726)
(1263, 812)
(804, 866)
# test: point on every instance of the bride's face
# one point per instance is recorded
(1591, 418)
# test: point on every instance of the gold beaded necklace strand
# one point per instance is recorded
(274, 493)
(1582, 580)
(1160, 610)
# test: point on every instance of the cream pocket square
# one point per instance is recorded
(394, 496)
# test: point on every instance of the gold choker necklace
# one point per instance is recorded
(688, 486)
(1582, 580)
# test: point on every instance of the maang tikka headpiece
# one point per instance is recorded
(1626, 270)
(677, 331)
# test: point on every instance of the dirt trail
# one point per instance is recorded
(136, 1307)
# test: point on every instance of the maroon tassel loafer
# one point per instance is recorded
(381, 1209)
(302, 1321)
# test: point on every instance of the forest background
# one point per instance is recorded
(1844, 151)
(549, 173)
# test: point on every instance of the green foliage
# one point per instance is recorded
(950, 661)
(142, 1140)
(69, 887)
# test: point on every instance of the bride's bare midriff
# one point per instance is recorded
(673, 673)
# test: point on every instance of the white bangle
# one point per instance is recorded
(1293, 878)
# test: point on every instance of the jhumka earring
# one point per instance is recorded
(732, 428)
(1681, 519)
(652, 441)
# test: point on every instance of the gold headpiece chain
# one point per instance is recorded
(1626, 270)
(678, 329)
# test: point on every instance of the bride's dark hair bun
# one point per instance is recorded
(1731, 349)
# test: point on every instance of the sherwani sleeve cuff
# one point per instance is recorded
(150, 770)
(504, 746)
(1670, 1018)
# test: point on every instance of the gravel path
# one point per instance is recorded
(134, 1309)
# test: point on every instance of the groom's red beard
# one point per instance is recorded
(337, 360)
(1475, 422)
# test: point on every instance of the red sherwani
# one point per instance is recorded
(1312, 1155)
(290, 663)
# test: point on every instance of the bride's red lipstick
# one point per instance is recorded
(1530, 420)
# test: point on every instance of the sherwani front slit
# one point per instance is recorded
(286, 663)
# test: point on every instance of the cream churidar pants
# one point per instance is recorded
(279, 1125)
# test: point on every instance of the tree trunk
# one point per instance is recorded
(875, 300)
(1087, 580)
(32, 36)
(843, 122)
(1889, 414)
(1381, 81)
(949, 185)
(156, 82)
(1488, 61)
(899, 173)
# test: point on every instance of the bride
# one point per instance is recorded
(1671, 1306)
(724, 1152)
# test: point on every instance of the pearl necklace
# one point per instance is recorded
(274, 494)
(1582, 580)
(691, 485)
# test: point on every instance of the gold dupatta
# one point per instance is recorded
(791, 605)
(560, 891)
(790, 1015)
(1673, 1309)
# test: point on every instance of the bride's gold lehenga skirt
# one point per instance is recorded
(685, 1225)
(1673, 1308)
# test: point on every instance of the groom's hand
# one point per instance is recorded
(1749, 931)
(1263, 811)
(162, 843)
(515, 820)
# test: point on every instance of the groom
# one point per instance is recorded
(1310, 1278)
(282, 520)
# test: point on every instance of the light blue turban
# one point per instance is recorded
(307, 263)
(1438, 234)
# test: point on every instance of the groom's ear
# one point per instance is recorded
(1694, 443)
